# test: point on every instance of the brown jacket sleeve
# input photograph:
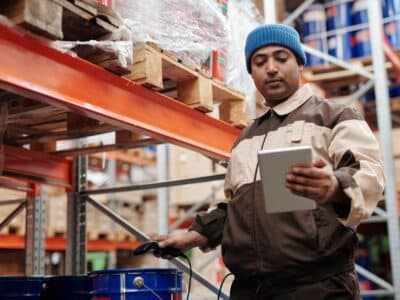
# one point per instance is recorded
(211, 224)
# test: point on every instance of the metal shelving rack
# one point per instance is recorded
(103, 96)
(34, 70)
(378, 79)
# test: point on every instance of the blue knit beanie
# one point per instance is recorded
(273, 34)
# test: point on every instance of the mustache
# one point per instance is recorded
(274, 79)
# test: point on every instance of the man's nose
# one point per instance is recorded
(271, 67)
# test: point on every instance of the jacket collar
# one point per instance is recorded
(290, 104)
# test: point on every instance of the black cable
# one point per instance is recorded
(222, 284)
(190, 275)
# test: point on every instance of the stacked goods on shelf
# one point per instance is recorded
(95, 33)
(43, 17)
(339, 16)
(347, 29)
(160, 70)
(17, 224)
(188, 164)
(189, 29)
(56, 208)
(362, 44)
(392, 22)
(391, 14)
(314, 24)
(171, 57)
(130, 206)
(86, 27)
(62, 19)
(150, 213)
(216, 63)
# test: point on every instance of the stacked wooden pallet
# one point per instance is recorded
(61, 19)
(332, 76)
(163, 72)
(40, 125)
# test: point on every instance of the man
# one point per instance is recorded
(302, 254)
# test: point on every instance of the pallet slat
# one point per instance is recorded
(161, 71)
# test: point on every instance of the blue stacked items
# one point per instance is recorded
(314, 23)
(391, 8)
(22, 288)
(314, 20)
(360, 12)
(339, 16)
(136, 284)
(394, 90)
(392, 31)
(362, 44)
(128, 284)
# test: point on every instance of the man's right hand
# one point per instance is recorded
(183, 242)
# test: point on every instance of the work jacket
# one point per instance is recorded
(302, 245)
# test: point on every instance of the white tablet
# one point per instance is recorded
(274, 164)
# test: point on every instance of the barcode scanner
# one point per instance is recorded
(157, 250)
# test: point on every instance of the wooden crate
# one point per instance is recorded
(43, 17)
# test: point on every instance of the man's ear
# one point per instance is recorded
(301, 67)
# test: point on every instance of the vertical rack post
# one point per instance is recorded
(76, 221)
(162, 194)
(35, 232)
(385, 129)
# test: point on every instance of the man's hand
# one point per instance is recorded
(183, 242)
(317, 182)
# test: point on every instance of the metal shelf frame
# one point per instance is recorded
(33, 69)
(379, 80)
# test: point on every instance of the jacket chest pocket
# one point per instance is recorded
(299, 133)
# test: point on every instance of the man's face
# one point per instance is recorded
(276, 73)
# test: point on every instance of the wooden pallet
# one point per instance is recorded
(84, 20)
(163, 72)
(71, 20)
(41, 126)
(32, 122)
(99, 235)
(43, 17)
(332, 76)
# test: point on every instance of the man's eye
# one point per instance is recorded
(259, 63)
(281, 59)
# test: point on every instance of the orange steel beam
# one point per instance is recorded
(11, 241)
(16, 184)
(37, 166)
(33, 69)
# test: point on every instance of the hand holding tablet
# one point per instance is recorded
(274, 164)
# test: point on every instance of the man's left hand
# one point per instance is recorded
(317, 182)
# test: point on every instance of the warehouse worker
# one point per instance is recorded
(303, 254)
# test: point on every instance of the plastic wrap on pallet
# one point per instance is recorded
(118, 42)
(189, 29)
(249, 17)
